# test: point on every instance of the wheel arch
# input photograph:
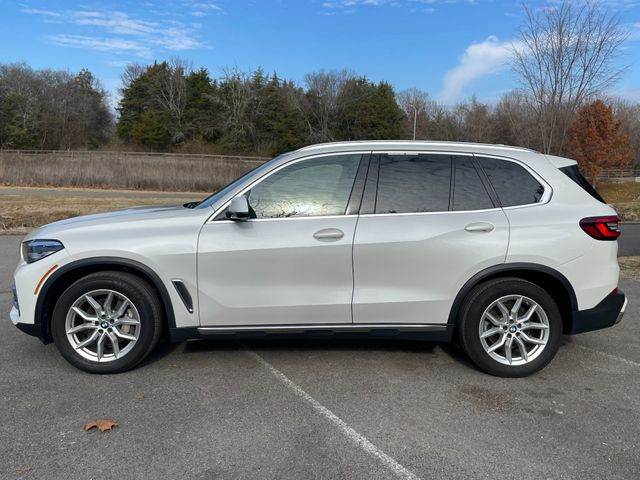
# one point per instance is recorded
(545, 277)
(62, 278)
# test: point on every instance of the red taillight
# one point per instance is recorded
(601, 228)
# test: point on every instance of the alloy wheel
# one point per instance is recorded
(103, 325)
(514, 330)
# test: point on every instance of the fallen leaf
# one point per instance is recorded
(102, 424)
(23, 470)
(139, 396)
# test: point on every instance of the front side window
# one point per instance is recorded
(310, 188)
(513, 184)
(413, 183)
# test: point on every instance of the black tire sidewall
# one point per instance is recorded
(138, 292)
(476, 303)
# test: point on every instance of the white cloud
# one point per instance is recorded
(479, 60)
(117, 32)
(348, 6)
(114, 22)
(37, 11)
(111, 45)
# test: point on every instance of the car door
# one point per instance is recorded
(428, 223)
(291, 263)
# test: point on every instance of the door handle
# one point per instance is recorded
(328, 234)
(480, 227)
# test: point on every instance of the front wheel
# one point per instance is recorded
(107, 322)
(510, 327)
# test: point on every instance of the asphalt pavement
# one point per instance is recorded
(629, 241)
(321, 409)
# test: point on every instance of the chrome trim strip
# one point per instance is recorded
(621, 314)
(338, 327)
(252, 220)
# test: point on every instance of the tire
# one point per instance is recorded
(124, 335)
(482, 307)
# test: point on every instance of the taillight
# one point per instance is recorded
(601, 228)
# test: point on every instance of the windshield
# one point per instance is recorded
(207, 202)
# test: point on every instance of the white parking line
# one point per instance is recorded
(350, 433)
(605, 354)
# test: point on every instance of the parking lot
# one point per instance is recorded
(321, 409)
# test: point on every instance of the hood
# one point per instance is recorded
(136, 215)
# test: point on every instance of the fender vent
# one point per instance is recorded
(184, 294)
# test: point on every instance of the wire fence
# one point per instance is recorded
(619, 173)
(125, 170)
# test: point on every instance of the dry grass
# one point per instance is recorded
(625, 197)
(121, 170)
(630, 267)
(21, 213)
(620, 192)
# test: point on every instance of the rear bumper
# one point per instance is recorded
(606, 314)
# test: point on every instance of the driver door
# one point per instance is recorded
(291, 262)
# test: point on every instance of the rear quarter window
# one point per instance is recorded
(513, 184)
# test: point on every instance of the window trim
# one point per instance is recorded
(365, 157)
(546, 195)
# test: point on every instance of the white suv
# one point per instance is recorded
(502, 248)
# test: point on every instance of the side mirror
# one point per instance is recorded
(238, 209)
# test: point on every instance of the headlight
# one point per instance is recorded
(35, 250)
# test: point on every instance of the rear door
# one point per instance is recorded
(428, 223)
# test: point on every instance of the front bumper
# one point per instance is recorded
(606, 314)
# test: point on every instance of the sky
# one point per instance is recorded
(450, 48)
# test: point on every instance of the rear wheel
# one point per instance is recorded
(510, 327)
(107, 322)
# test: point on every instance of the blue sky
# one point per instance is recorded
(450, 48)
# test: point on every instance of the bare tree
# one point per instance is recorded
(414, 105)
(629, 115)
(236, 99)
(566, 55)
(325, 89)
(131, 72)
(172, 94)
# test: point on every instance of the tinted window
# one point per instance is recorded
(573, 172)
(512, 183)
(309, 188)
(468, 190)
(413, 183)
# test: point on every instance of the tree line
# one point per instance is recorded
(566, 61)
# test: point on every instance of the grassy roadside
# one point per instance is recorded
(625, 198)
(21, 213)
(630, 267)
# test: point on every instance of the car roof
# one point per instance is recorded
(381, 145)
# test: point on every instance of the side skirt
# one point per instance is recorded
(433, 333)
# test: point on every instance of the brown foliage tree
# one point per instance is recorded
(597, 141)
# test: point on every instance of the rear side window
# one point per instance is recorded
(513, 184)
(573, 172)
(413, 183)
(469, 192)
